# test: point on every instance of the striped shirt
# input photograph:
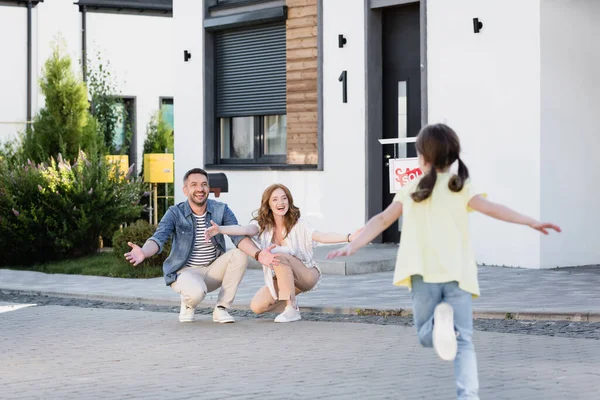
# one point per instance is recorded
(204, 252)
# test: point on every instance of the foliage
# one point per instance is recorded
(59, 210)
(159, 136)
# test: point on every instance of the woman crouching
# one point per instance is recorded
(277, 227)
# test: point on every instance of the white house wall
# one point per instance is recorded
(487, 87)
(570, 130)
(333, 199)
(57, 20)
(13, 71)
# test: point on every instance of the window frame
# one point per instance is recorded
(260, 158)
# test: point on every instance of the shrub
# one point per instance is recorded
(138, 233)
(57, 211)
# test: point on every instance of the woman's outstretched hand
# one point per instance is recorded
(214, 230)
(347, 250)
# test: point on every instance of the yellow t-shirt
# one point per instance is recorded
(435, 241)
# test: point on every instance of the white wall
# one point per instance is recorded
(142, 59)
(13, 71)
(333, 199)
(56, 20)
(570, 69)
(188, 20)
(487, 87)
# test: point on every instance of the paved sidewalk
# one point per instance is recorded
(75, 353)
(533, 294)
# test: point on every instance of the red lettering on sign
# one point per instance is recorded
(403, 177)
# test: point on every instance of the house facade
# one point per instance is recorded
(517, 84)
(301, 92)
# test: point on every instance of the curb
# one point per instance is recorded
(589, 317)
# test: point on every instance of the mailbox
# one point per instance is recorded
(158, 168)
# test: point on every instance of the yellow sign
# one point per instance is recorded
(158, 168)
(120, 163)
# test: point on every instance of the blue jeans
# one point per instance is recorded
(425, 296)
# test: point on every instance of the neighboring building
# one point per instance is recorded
(260, 99)
(135, 36)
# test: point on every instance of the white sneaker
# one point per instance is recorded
(444, 336)
(290, 314)
(221, 316)
(186, 314)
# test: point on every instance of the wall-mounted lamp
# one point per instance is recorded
(186, 55)
(341, 41)
(477, 25)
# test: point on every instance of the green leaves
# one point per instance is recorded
(58, 210)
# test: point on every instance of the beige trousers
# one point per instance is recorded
(292, 277)
(226, 272)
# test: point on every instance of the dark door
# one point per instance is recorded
(401, 92)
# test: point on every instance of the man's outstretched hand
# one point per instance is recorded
(136, 255)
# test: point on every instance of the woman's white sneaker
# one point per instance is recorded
(186, 314)
(444, 336)
(290, 314)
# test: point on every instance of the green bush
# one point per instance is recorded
(138, 233)
(58, 211)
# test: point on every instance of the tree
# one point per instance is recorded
(60, 125)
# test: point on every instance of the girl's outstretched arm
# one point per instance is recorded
(503, 213)
(235, 230)
(333, 237)
(374, 227)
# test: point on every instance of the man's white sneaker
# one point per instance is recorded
(290, 314)
(186, 314)
(444, 336)
(221, 316)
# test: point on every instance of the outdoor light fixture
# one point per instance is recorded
(341, 41)
(477, 25)
(186, 55)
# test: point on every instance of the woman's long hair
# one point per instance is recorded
(439, 146)
(264, 215)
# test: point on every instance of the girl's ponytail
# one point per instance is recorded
(457, 182)
(425, 187)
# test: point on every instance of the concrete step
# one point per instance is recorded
(371, 258)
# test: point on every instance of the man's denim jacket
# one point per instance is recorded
(179, 224)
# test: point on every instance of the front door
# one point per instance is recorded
(401, 50)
